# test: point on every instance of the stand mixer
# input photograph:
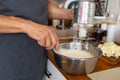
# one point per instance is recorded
(83, 19)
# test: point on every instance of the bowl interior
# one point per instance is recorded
(96, 52)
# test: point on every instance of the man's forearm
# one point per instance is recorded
(59, 13)
(44, 35)
(10, 24)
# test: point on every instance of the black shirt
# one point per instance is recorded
(21, 58)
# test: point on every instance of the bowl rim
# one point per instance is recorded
(78, 58)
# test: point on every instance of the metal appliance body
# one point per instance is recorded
(86, 11)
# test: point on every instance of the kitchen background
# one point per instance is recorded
(108, 7)
(112, 5)
(108, 26)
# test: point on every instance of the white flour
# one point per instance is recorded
(75, 53)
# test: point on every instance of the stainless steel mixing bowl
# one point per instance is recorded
(74, 65)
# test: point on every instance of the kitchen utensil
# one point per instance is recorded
(73, 65)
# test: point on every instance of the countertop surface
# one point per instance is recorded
(103, 64)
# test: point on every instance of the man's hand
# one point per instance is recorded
(45, 35)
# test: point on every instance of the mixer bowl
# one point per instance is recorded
(74, 65)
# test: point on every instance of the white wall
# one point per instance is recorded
(114, 6)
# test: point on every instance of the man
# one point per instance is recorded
(24, 37)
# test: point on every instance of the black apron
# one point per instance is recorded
(21, 58)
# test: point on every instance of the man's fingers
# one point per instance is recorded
(54, 39)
